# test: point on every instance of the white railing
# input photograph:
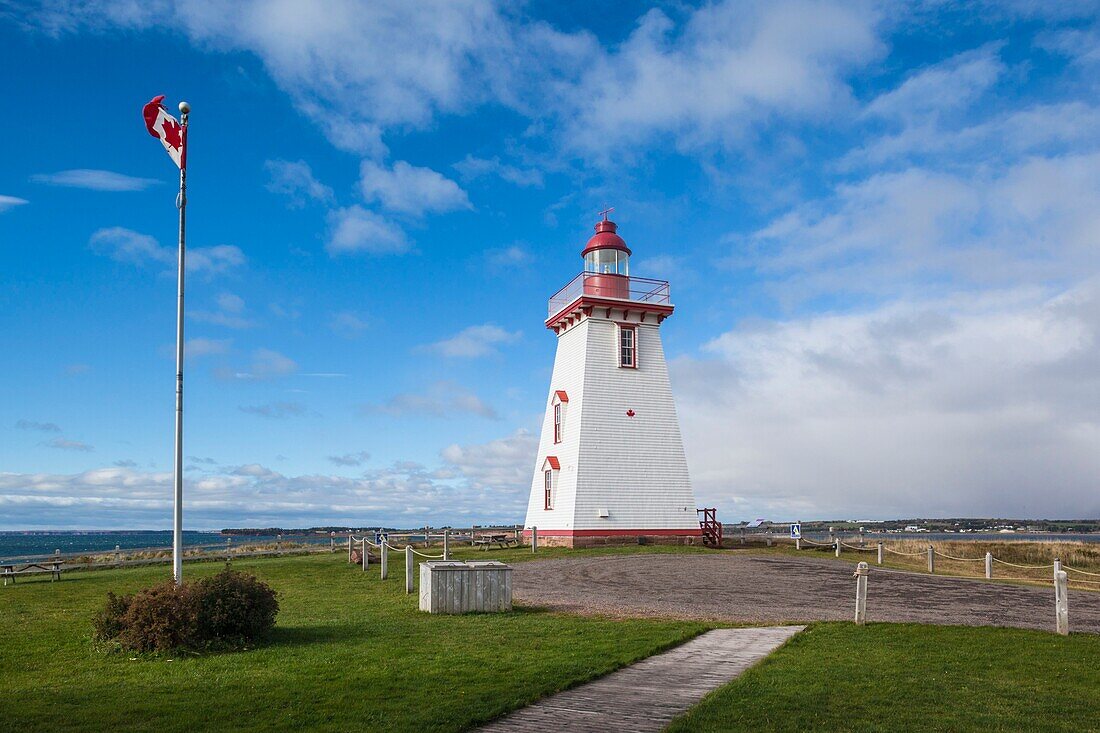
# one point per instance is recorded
(605, 285)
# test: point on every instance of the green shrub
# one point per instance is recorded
(228, 610)
(234, 607)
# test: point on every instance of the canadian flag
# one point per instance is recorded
(167, 129)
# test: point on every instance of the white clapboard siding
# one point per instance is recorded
(632, 467)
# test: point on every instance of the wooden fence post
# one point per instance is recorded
(861, 593)
(879, 553)
(385, 551)
(798, 543)
(1061, 602)
(534, 539)
(989, 566)
(409, 563)
(349, 547)
(228, 548)
(1057, 567)
(446, 544)
(837, 545)
(365, 557)
(118, 553)
(931, 559)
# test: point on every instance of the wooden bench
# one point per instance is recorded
(13, 570)
(485, 541)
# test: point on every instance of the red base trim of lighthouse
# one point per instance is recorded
(604, 537)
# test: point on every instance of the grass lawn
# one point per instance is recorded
(349, 652)
(908, 677)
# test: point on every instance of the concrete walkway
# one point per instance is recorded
(646, 696)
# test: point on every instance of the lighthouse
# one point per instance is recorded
(610, 467)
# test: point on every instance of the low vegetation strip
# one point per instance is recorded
(349, 652)
(905, 677)
(1012, 560)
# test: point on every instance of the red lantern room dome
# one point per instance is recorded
(605, 238)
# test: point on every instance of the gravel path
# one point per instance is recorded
(731, 586)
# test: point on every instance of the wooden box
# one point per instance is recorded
(465, 587)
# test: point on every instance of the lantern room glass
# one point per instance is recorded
(607, 261)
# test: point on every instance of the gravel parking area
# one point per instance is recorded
(736, 586)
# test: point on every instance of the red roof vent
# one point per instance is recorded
(605, 238)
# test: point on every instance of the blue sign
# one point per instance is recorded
(796, 531)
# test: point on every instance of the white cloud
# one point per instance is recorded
(230, 313)
(440, 399)
(354, 69)
(95, 180)
(355, 229)
(503, 465)
(507, 258)
(214, 260)
(275, 410)
(362, 70)
(294, 179)
(347, 324)
(952, 84)
(45, 427)
(252, 495)
(350, 459)
(474, 341)
(730, 67)
(971, 406)
(266, 364)
(471, 168)
(70, 445)
(920, 230)
(10, 202)
(407, 189)
(126, 245)
(199, 347)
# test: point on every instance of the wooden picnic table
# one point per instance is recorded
(13, 570)
(485, 541)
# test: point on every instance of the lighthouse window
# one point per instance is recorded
(628, 347)
(557, 423)
(548, 485)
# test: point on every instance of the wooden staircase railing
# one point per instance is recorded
(711, 527)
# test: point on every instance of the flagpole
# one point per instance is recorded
(177, 507)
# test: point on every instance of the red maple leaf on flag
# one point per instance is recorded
(171, 131)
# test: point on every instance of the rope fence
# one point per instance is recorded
(1060, 580)
(1078, 577)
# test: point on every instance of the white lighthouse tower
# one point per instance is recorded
(610, 467)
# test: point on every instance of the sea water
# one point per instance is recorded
(15, 544)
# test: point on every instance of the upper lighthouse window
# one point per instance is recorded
(628, 347)
(607, 262)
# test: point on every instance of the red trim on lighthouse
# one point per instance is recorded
(554, 463)
(696, 532)
(562, 396)
(605, 238)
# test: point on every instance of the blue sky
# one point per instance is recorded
(881, 223)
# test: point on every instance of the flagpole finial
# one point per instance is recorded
(185, 108)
